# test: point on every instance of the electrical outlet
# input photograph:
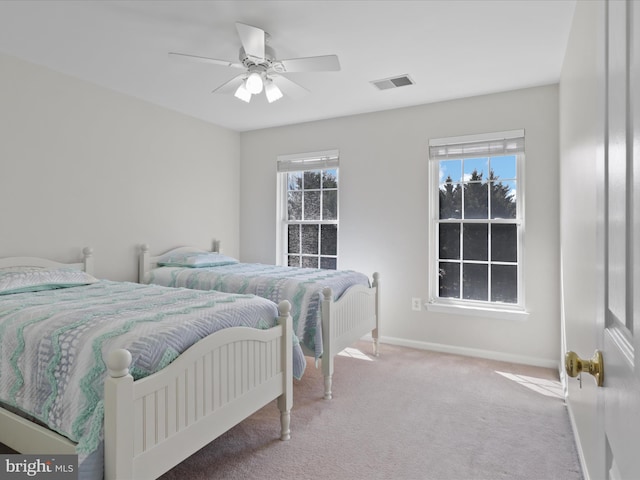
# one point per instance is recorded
(416, 304)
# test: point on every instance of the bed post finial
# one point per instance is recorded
(118, 363)
(328, 293)
(143, 263)
(284, 308)
(215, 247)
(87, 260)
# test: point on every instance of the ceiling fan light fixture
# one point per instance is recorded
(272, 91)
(243, 94)
(254, 83)
(260, 67)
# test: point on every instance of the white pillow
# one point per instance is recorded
(33, 280)
(195, 260)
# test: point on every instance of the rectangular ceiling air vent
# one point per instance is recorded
(393, 82)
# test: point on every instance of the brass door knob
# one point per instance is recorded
(574, 365)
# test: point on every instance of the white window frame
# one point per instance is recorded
(300, 162)
(471, 146)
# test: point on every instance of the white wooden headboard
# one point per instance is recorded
(15, 262)
(147, 262)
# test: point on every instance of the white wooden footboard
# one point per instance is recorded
(344, 321)
(154, 423)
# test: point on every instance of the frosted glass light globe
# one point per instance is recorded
(254, 83)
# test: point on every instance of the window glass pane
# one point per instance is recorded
(503, 199)
(293, 234)
(312, 205)
(309, 239)
(475, 241)
(476, 202)
(504, 283)
(450, 170)
(328, 239)
(294, 181)
(449, 280)
(449, 241)
(504, 243)
(293, 260)
(475, 281)
(294, 205)
(311, 179)
(330, 178)
(451, 200)
(476, 169)
(330, 205)
(312, 200)
(477, 234)
(328, 263)
(309, 262)
(503, 168)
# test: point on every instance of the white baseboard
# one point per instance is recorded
(470, 352)
(576, 437)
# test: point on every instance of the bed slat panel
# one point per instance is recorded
(138, 443)
(207, 390)
(150, 424)
(349, 316)
(210, 383)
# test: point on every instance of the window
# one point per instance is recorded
(477, 224)
(308, 185)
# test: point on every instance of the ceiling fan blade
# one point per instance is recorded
(214, 61)
(230, 86)
(289, 87)
(324, 63)
(253, 40)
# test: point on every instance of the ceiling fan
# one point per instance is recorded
(262, 70)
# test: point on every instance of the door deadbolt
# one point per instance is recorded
(574, 365)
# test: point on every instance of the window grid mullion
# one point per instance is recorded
(490, 262)
(463, 215)
(321, 215)
(311, 222)
(489, 231)
(461, 276)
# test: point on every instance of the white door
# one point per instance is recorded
(619, 231)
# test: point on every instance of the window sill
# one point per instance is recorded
(473, 311)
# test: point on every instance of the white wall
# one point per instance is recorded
(81, 165)
(84, 166)
(384, 213)
(578, 175)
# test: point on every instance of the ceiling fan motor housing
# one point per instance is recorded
(249, 61)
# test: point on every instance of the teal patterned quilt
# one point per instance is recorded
(52, 345)
(301, 286)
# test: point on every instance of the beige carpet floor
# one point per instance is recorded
(406, 415)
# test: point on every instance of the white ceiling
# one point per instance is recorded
(451, 49)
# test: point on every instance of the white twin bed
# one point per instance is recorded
(331, 309)
(183, 396)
